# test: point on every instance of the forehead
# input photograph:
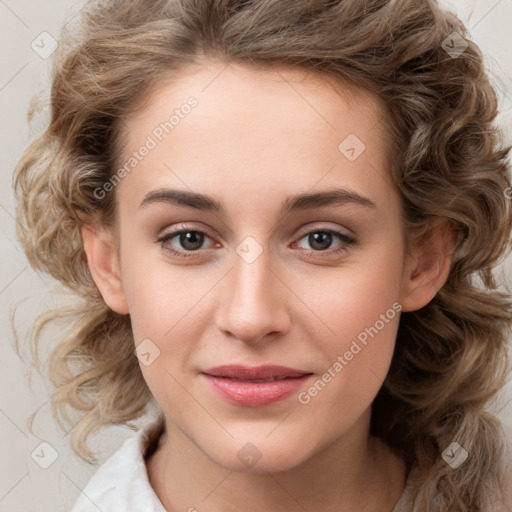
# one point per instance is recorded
(257, 128)
(285, 92)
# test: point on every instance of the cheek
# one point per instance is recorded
(157, 294)
(358, 360)
(351, 298)
(171, 307)
(359, 311)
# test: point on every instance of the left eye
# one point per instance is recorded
(321, 240)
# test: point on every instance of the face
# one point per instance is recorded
(254, 275)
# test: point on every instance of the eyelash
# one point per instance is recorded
(347, 241)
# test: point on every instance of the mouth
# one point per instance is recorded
(256, 386)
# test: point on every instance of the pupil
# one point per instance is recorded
(191, 237)
(314, 238)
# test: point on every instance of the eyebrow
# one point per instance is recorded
(303, 201)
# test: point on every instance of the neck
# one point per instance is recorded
(348, 474)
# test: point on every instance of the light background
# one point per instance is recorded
(24, 485)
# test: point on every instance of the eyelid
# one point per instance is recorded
(184, 227)
(306, 230)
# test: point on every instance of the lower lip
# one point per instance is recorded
(255, 394)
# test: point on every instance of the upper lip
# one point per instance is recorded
(254, 372)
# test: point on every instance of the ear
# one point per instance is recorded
(428, 266)
(100, 249)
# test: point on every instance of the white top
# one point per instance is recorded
(121, 484)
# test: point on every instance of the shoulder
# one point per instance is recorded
(121, 483)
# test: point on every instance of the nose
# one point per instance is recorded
(254, 301)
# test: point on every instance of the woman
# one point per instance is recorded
(199, 156)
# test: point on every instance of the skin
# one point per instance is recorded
(255, 138)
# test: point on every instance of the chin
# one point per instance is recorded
(260, 456)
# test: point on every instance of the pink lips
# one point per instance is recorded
(256, 386)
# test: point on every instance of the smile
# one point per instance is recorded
(255, 387)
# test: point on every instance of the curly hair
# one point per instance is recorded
(448, 163)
